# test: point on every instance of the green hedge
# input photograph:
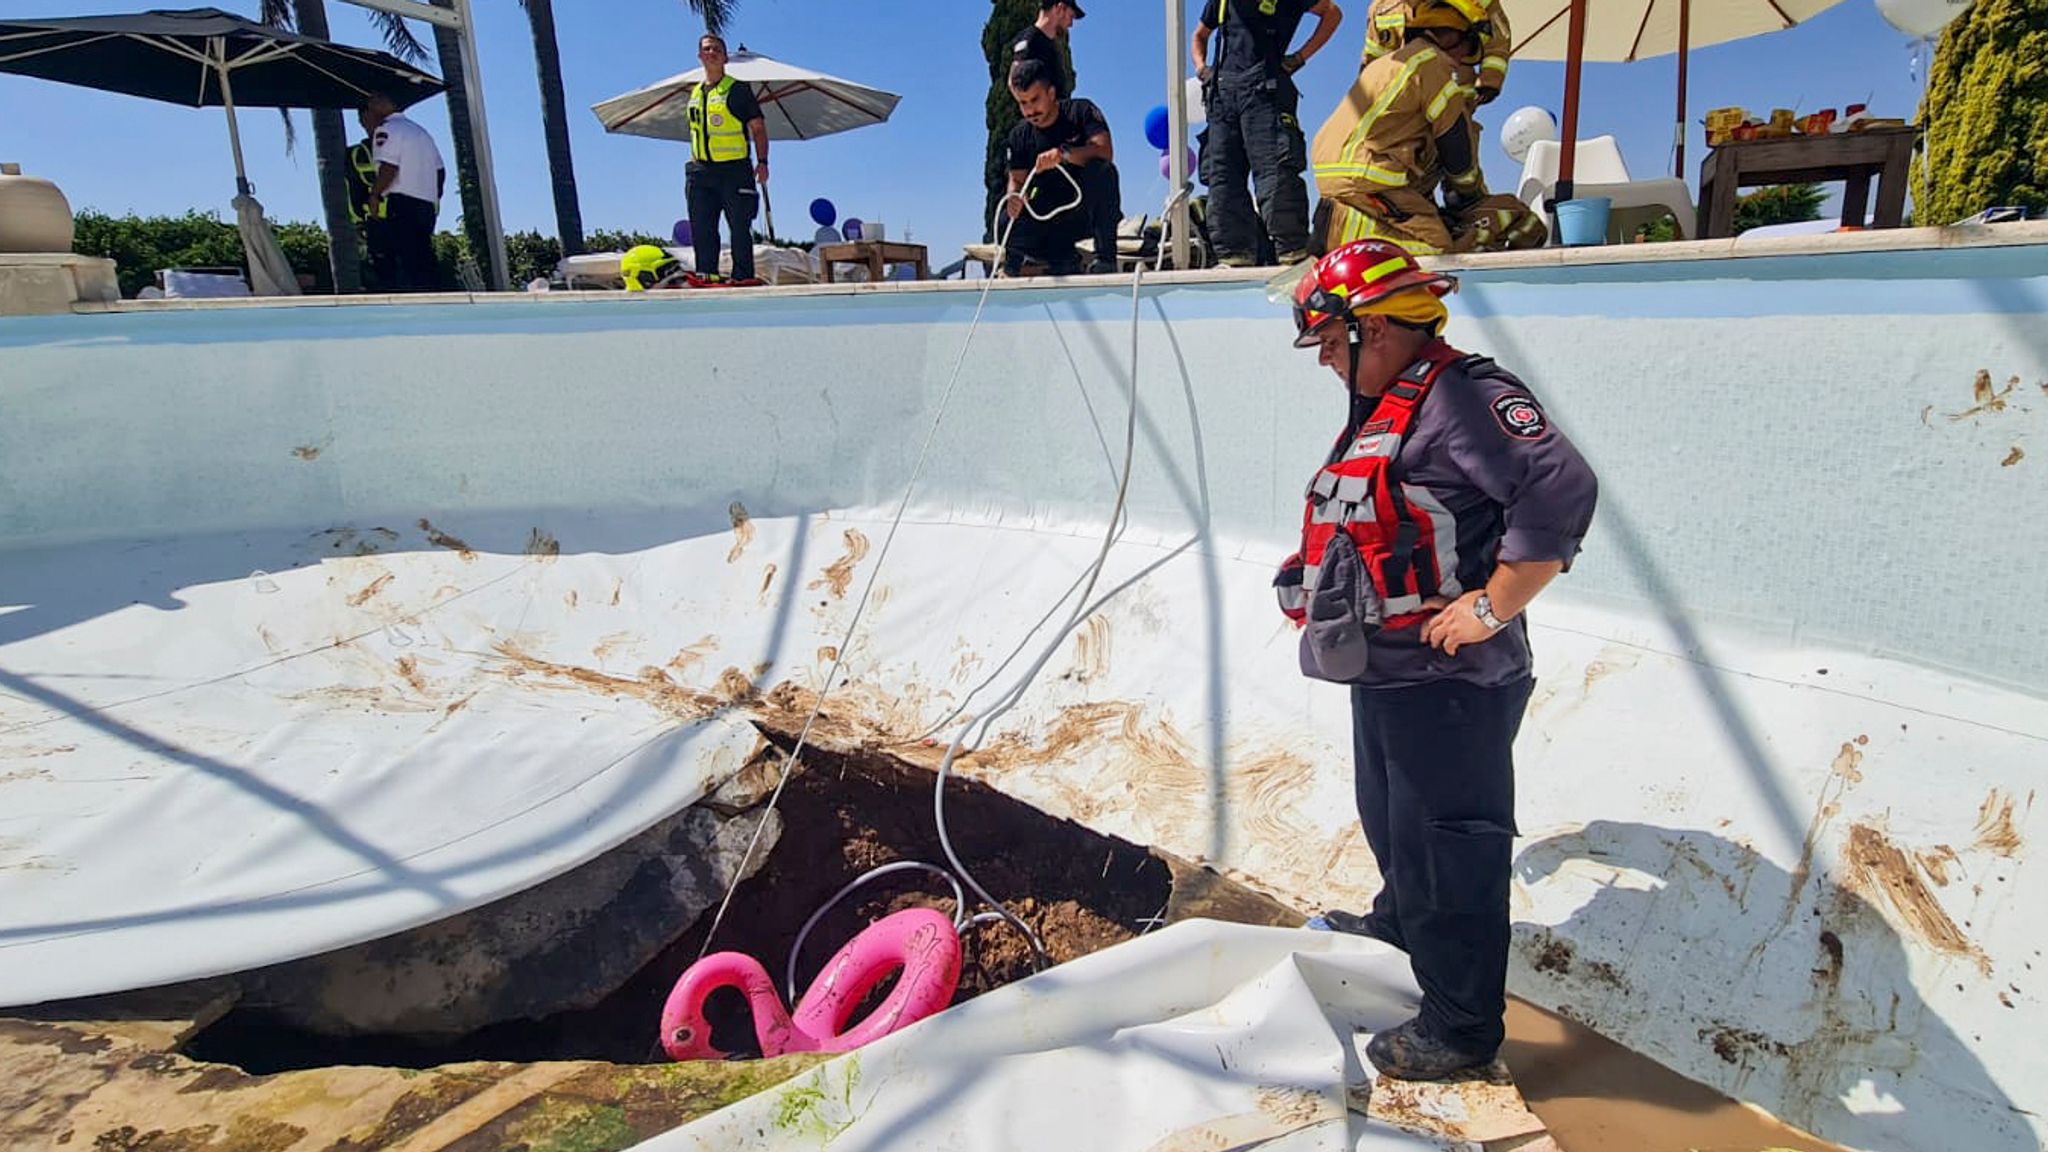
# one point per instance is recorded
(141, 245)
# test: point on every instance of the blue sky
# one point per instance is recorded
(920, 172)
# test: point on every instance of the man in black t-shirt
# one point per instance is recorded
(1041, 41)
(1250, 97)
(1071, 136)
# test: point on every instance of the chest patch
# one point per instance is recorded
(1520, 417)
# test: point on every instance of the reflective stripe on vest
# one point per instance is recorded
(715, 134)
(1405, 535)
(362, 164)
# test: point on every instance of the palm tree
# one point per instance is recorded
(547, 59)
(554, 121)
(330, 139)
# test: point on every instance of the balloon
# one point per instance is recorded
(681, 233)
(1156, 127)
(852, 227)
(1920, 19)
(823, 213)
(1198, 111)
(1166, 164)
(1524, 127)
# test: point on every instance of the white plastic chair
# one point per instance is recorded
(1600, 171)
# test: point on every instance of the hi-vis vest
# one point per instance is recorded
(1404, 535)
(716, 135)
(362, 178)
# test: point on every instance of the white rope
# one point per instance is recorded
(1083, 608)
(917, 471)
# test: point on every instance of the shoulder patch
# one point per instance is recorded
(1519, 416)
(382, 136)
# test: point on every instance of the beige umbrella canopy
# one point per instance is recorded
(1621, 30)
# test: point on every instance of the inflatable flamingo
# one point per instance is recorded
(919, 942)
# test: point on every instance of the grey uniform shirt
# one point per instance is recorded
(1512, 488)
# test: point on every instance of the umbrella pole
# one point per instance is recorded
(769, 205)
(1684, 46)
(218, 50)
(1574, 60)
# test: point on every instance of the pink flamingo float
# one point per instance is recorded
(919, 942)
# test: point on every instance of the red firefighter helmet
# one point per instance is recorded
(1343, 283)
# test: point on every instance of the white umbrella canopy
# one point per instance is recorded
(1622, 30)
(797, 103)
(1575, 31)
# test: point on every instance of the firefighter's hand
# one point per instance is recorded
(1292, 62)
(1047, 160)
(1487, 94)
(761, 172)
(1455, 624)
(1202, 73)
(1014, 205)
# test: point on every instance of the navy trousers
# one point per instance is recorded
(1436, 793)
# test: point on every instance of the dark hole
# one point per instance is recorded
(843, 815)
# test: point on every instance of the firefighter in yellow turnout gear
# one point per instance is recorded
(1388, 30)
(1405, 129)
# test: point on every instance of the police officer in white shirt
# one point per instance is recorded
(410, 179)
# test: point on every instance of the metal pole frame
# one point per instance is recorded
(1177, 128)
(458, 20)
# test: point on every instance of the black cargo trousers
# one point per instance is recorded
(1436, 793)
(1254, 135)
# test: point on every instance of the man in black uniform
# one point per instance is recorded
(1250, 98)
(1059, 136)
(1041, 41)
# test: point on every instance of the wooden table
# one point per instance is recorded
(1853, 157)
(874, 254)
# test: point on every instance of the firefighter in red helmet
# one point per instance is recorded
(1449, 501)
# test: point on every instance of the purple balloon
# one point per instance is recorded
(851, 229)
(682, 234)
(1166, 164)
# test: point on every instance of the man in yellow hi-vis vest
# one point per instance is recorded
(1402, 131)
(362, 180)
(718, 181)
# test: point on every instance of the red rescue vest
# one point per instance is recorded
(1395, 526)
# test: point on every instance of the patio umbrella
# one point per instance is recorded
(797, 103)
(1621, 30)
(204, 57)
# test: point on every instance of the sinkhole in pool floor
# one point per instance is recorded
(843, 814)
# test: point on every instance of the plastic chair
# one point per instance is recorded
(1600, 171)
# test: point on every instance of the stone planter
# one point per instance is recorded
(34, 216)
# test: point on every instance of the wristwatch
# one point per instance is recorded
(1482, 607)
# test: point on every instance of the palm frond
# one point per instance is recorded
(278, 14)
(398, 37)
(716, 13)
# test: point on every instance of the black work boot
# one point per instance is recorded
(1371, 924)
(1408, 1052)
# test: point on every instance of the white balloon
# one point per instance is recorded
(1524, 127)
(1197, 113)
(1920, 19)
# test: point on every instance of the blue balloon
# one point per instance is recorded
(1156, 127)
(851, 229)
(682, 234)
(823, 213)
